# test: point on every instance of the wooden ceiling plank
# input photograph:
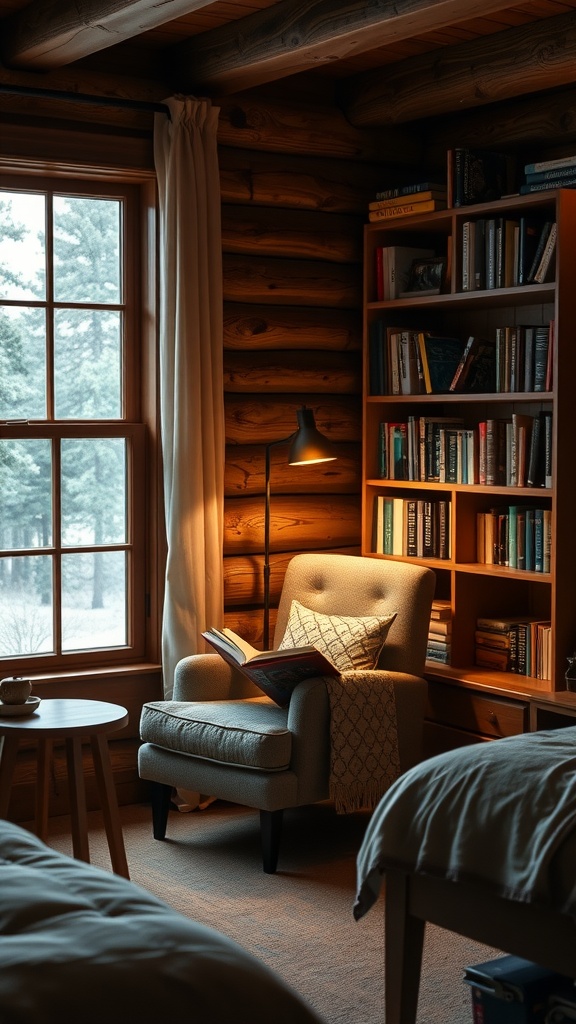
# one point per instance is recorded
(297, 35)
(51, 33)
(501, 66)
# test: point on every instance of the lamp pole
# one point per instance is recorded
(266, 625)
(308, 446)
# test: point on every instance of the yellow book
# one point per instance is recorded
(407, 209)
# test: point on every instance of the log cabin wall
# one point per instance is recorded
(292, 248)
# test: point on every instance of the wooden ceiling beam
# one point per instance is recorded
(299, 35)
(51, 33)
(509, 64)
(546, 119)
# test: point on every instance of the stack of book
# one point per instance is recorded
(440, 632)
(408, 201)
(546, 174)
(514, 644)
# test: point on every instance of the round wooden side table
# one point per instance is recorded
(69, 719)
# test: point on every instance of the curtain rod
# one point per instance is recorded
(79, 97)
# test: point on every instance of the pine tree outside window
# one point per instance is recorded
(72, 521)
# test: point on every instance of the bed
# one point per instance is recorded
(81, 944)
(480, 841)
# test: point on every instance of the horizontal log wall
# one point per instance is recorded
(292, 265)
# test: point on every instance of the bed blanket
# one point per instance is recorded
(79, 945)
(497, 813)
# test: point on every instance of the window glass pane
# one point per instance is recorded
(93, 600)
(26, 502)
(22, 245)
(86, 250)
(87, 364)
(22, 363)
(26, 619)
(93, 491)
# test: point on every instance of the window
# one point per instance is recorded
(72, 462)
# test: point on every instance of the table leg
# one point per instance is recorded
(109, 804)
(43, 787)
(7, 764)
(77, 794)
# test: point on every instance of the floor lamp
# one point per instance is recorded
(307, 446)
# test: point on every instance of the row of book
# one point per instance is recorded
(517, 536)
(502, 252)
(439, 643)
(473, 176)
(521, 645)
(546, 174)
(524, 358)
(417, 528)
(408, 200)
(513, 451)
(408, 361)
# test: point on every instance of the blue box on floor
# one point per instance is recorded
(562, 1007)
(510, 990)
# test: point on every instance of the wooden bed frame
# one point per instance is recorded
(543, 936)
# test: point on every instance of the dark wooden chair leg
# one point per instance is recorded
(160, 800)
(271, 830)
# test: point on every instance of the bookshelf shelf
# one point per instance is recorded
(477, 589)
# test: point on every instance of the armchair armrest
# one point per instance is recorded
(205, 677)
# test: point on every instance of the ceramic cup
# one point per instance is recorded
(15, 690)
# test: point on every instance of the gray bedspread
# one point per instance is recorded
(501, 813)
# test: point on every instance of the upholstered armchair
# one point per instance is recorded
(220, 736)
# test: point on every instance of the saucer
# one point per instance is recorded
(19, 709)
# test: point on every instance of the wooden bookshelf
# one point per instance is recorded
(474, 588)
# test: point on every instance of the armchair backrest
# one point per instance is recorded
(352, 585)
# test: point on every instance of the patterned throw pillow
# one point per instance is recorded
(350, 642)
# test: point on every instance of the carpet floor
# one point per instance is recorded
(298, 921)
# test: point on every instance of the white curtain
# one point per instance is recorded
(191, 379)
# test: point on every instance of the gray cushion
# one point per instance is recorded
(252, 733)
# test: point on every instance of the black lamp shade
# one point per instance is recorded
(308, 444)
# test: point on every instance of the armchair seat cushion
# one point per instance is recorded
(251, 733)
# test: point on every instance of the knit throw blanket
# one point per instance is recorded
(364, 758)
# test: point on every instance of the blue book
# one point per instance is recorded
(552, 174)
(550, 165)
(529, 544)
(538, 540)
(543, 186)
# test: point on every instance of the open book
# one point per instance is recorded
(275, 672)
